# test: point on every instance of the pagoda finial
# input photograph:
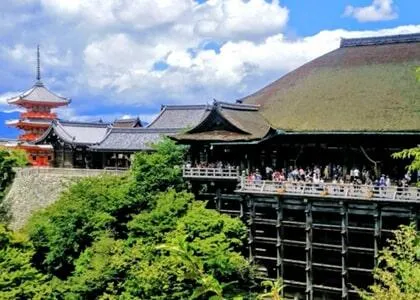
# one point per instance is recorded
(38, 67)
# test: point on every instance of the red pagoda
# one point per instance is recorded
(38, 103)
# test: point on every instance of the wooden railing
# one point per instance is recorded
(331, 190)
(211, 173)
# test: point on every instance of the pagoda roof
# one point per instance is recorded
(229, 122)
(39, 94)
(29, 122)
(366, 85)
(77, 133)
(127, 123)
(132, 139)
(179, 116)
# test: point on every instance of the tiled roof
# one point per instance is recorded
(39, 94)
(132, 139)
(79, 133)
(179, 116)
(127, 123)
(366, 85)
(229, 122)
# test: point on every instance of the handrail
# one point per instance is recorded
(331, 190)
(230, 173)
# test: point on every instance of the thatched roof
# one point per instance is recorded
(367, 84)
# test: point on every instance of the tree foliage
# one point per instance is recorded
(413, 154)
(18, 278)
(398, 273)
(101, 240)
(9, 159)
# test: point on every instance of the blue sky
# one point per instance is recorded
(120, 58)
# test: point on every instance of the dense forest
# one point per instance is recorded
(141, 235)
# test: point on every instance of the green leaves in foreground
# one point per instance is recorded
(18, 278)
(413, 154)
(398, 274)
(100, 241)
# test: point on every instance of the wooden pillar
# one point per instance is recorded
(218, 199)
(344, 250)
(308, 250)
(251, 229)
(242, 208)
(63, 149)
(377, 232)
(279, 243)
(103, 160)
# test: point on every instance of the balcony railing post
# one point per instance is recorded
(333, 190)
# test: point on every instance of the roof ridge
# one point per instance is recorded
(239, 106)
(83, 124)
(142, 130)
(184, 106)
(380, 40)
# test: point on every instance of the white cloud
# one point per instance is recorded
(238, 19)
(379, 10)
(206, 74)
(4, 106)
(138, 13)
(70, 114)
(50, 55)
(102, 53)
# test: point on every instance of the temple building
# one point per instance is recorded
(319, 190)
(38, 103)
(305, 161)
(98, 145)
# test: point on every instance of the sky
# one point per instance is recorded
(125, 58)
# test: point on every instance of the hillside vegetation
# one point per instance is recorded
(137, 236)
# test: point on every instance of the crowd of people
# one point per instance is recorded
(313, 174)
(329, 173)
(212, 165)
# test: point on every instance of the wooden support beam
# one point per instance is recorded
(242, 208)
(308, 250)
(344, 250)
(377, 216)
(251, 229)
(218, 199)
(280, 237)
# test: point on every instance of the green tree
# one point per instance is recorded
(18, 278)
(398, 273)
(65, 229)
(272, 290)
(159, 170)
(9, 159)
(99, 240)
(413, 154)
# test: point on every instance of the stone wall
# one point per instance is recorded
(37, 188)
